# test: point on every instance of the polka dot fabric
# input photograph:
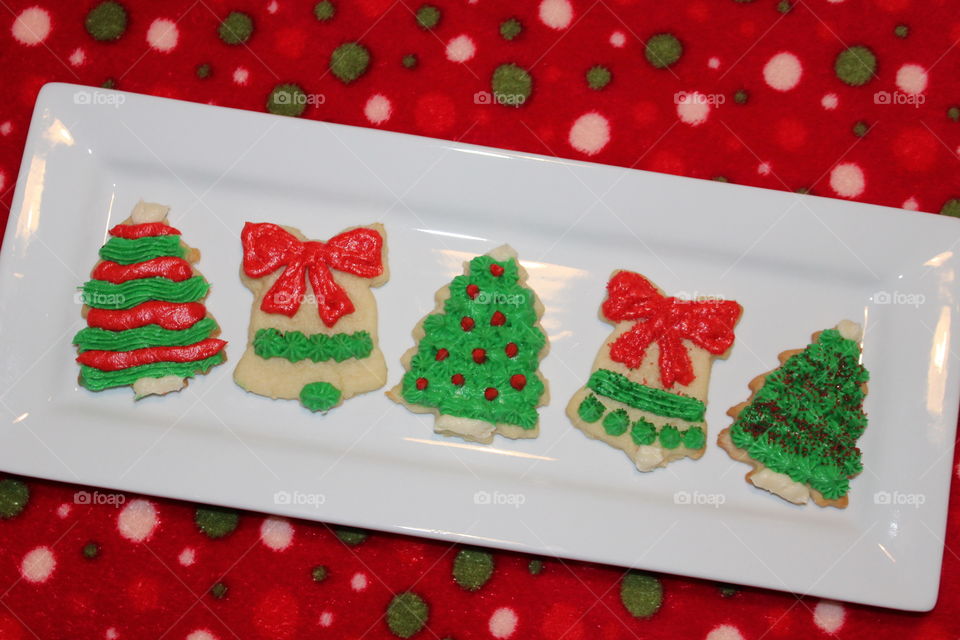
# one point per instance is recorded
(842, 98)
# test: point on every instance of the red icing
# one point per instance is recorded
(116, 360)
(518, 381)
(442, 354)
(479, 356)
(176, 269)
(458, 379)
(511, 349)
(498, 319)
(144, 230)
(268, 247)
(666, 322)
(467, 323)
(421, 383)
(496, 270)
(490, 393)
(169, 315)
(472, 290)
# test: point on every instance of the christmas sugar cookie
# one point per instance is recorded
(475, 365)
(647, 392)
(799, 428)
(147, 326)
(313, 327)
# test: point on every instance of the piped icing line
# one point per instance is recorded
(318, 347)
(170, 267)
(656, 401)
(106, 295)
(147, 229)
(131, 250)
(97, 380)
(167, 315)
(117, 360)
(91, 338)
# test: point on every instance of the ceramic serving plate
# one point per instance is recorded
(796, 263)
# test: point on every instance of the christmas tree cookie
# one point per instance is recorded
(647, 392)
(147, 326)
(313, 326)
(475, 365)
(800, 426)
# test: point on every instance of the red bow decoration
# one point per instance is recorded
(666, 321)
(267, 247)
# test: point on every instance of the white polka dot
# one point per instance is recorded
(503, 622)
(241, 76)
(138, 520)
(912, 79)
(276, 533)
(829, 616)
(201, 634)
(187, 557)
(782, 72)
(693, 108)
(556, 14)
(725, 632)
(829, 101)
(272, 7)
(38, 565)
(618, 39)
(911, 204)
(590, 133)
(461, 48)
(78, 57)
(63, 511)
(714, 62)
(111, 634)
(326, 619)
(163, 35)
(764, 168)
(847, 180)
(378, 109)
(32, 26)
(358, 582)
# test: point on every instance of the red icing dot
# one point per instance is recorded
(421, 383)
(496, 270)
(467, 323)
(518, 381)
(498, 319)
(472, 290)
(479, 356)
(458, 379)
(511, 349)
(442, 354)
(490, 393)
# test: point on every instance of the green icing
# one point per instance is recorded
(472, 568)
(107, 295)
(663, 50)
(236, 28)
(694, 438)
(670, 437)
(216, 522)
(90, 551)
(428, 16)
(287, 100)
(407, 614)
(444, 331)
(319, 396)
(319, 347)
(643, 432)
(616, 422)
(591, 409)
(319, 573)
(510, 29)
(535, 567)
(14, 496)
(349, 61)
(219, 590)
(806, 419)
(641, 594)
(132, 250)
(151, 335)
(598, 77)
(350, 536)
(324, 10)
(106, 21)
(97, 380)
(656, 401)
(856, 65)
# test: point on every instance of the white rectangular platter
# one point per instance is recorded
(796, 263)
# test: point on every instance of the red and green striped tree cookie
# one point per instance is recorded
(147, 326)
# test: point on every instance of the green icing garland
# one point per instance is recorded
(642, 432)
(806, 419)
(151, 335)
(97, 380)
(656, 401)
(133, 250)
(319, 347)
(107, 295)
(319, 396)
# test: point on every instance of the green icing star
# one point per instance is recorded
(91, 550)
(409, 61)
(641, 594)
(663, 50)
(742, 96)
(901, 31)
(349, 61)
(319, 396)
(510, 28)
(319, 573)
(616, 422)
(216, 522)
(14, 496)
(860, 128)
(204, 70)
(598, 77)
(951, 208)
(512, 85)
(856, 65)
(349, 536)
(324, 10)
(535, 567)
(953, 113)
(428, 16)
(407, 614)
(472, 568)
(236, 28)
(287, 100)
(106, 21)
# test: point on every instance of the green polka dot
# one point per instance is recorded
(512, 85)
(349, 536)
(616, 422)
(641, 594)
(472, 568)
(428, 16)
(720, 179)
(236, 28)
(743, 1)
(951, 208)
(219, 590)
(14, 496)
(727, 590)
(319, 573)
(590, 409)
(203, 71)
(109, 83)
(287, 100)
(953, 113)
(319, 396)
(349, 61)
(324, 10)
(694, 438)
(742, 96)
(90, 551)
(598, 77)
(663, 50)
(409, 61)
(803, 190)
(106, 21)
(855, 66)
(216, 522)
(901, 31)
(535, 567)
(784, 6)
(510, 29)
(407, 614)
(860, 128)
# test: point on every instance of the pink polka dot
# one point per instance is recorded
(358, 582)
(830, 101)
(378, 109)
(556, 14)
(911, 204)
(503, 623)
(829, 616)
(276, 533)
(201, 634)
(713, 63)
(326, 619)
(6, 128)
(78, 57)
(912, 79)
(187, 557)
(724, 632)
(783, 71)
(764, 169)
(138, 520)
(693, 108)
(38, 564)
(618, 39)
(111, 634)
(63, 511)
(590, 133)
(241, 76)
(32, 26)
(163, 35)
(461, 48)
(847, 180)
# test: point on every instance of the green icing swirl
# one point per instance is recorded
(132, 250)
(319, 396)
(616, 422)
(107, 295)
(643, 432)
(670, 437)
(151, 335)
(694, 438)
(656, 401)
(318, 347)
(591, 409)
(97, 380)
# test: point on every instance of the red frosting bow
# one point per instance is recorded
(267, 247)
(666, 321)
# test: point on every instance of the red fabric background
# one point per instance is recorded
(780, 139)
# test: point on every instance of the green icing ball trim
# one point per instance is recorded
(428, 16)
(287, 100)
(598, 77)
(590, 409)
(236, 28)
(663, 50)
(856, 66)
(643, 432)
(510, 29)
(670, 437)
(319, 573)
(409, 61)
(641, 594)
(472, 568)
(535, 567)
(318, 347)
(219, 590)
(319, 396)
(694, 438)
(349, 61)
(951, 208)
(615, 386)
(106, 21)
(350, 536)
(512, 85)
(107, 295)
(216, 522)
(90, 551)
(616, 422)
(407, 614)
(14, 496)
(133, 250)
(98, 380)
(324, 10)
